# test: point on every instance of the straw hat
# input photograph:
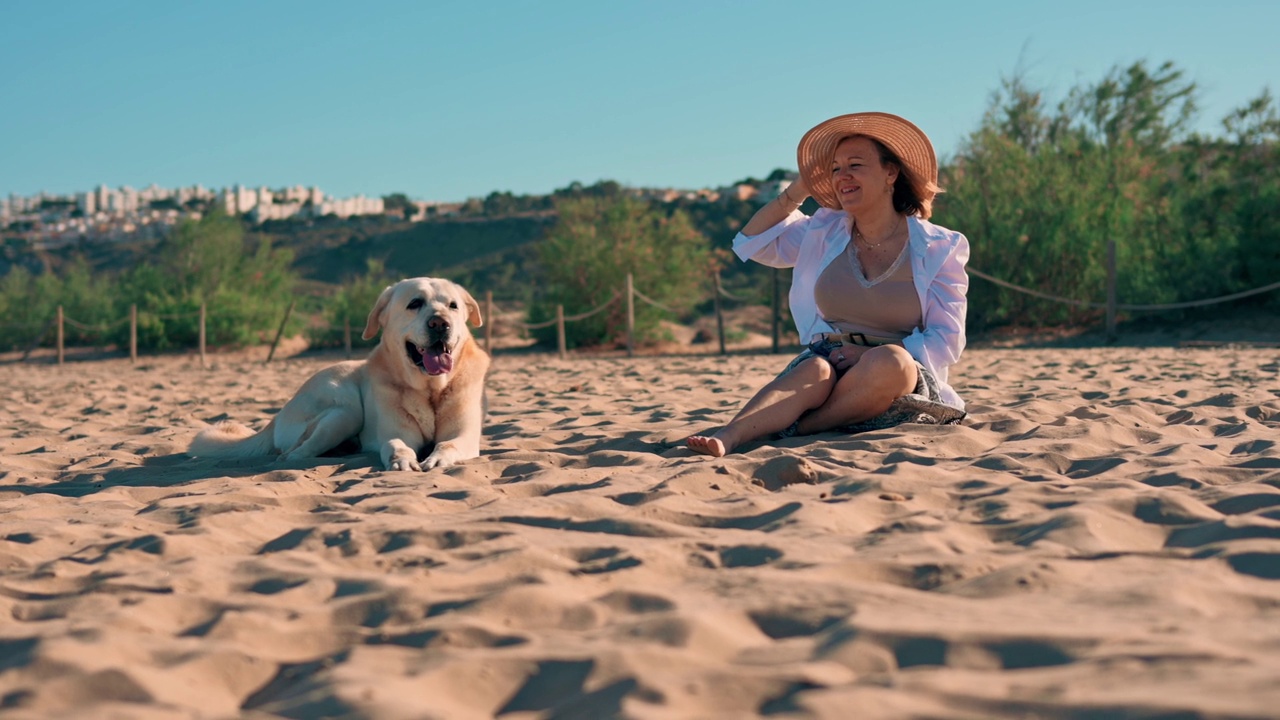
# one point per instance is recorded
(904, 139)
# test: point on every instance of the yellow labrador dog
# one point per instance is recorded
(423, 383)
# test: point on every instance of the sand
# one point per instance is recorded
(1101, 538)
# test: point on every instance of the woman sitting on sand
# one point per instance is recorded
(878, 292)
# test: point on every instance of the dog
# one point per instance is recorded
(423, 383)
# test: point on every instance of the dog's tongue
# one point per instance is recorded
(436, 363)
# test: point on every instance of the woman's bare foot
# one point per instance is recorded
(712, 445)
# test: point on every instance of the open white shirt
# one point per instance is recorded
(937, 256)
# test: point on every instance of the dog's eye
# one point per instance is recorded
(453, 305)
(415, 303)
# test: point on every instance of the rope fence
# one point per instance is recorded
(559, 320)
(654, 303)
(59, 322)
(1128, 306)
(629, 294)
(1111, 305)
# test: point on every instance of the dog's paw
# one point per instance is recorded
(440, 460)
(404, 464)
(432, 462)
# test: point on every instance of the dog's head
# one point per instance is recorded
(427, 317)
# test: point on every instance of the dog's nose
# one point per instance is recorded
(438, 323)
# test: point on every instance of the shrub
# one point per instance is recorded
(588, 253)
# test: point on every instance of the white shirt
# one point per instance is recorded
(938, 257)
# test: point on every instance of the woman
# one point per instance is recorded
(878, 292)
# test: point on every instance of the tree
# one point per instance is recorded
(350, 307)
(245, 288)
(26, 303)
(398, 202)
(1041, 193)
(1246, 188)
(598, 240)
(1135, 105)
(498, 204)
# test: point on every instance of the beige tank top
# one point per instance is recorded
(886, 306)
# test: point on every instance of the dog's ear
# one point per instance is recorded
(377, 316)
(473, 310)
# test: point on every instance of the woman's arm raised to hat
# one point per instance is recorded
(777, 209)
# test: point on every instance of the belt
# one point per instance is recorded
(858, 339)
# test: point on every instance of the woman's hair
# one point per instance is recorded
(911, 195)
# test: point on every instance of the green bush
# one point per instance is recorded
(588, 253)
(349, 307)
(246, 291)
(1040, 192)
(245, 288)
(26, 304)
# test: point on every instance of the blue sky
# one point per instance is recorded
(444, 101)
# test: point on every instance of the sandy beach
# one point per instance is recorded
(1100, 538)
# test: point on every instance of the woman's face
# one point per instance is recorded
(860, 179)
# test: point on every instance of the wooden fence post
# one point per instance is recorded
(1111, 290)
(719, 313)
(631, 318)
(61, 356)
(203, 312)
(488, 321)
(133, 333)
(280, 331)
(346, 335)
(560, 339)
(776, 307)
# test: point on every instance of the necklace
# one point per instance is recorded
(869, 244)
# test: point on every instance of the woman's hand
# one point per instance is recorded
(777, 209)
(796, 191)
(846, 356)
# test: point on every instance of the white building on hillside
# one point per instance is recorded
(358, 205)
(238, 199)
(282, 211)
(153, 193)
(129, 201)
(195, 192)
(102, 198)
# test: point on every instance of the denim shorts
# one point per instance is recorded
(921, 405)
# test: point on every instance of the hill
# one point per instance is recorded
(494, 253)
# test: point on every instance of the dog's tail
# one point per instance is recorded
(230, 439)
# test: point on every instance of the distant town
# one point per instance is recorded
(125, 213)
(114, 214)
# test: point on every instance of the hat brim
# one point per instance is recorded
(908, 142)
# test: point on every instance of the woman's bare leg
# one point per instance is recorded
(773, 408)
(883, 374)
